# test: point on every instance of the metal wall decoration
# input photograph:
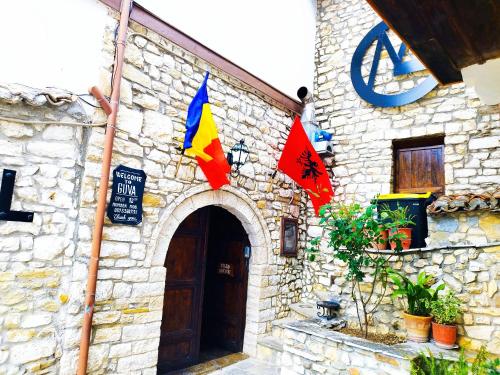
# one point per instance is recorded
(6, 192)
(125, 206)
(289, 237)
(401, 67)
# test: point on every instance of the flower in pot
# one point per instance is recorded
(399, 232)
(445, 311)
(419, 297)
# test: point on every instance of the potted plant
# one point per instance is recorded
(419, 297)
(380, 243)
(445, 311)
(400, 234)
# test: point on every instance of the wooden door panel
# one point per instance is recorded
(179, 309)
(182, 262)
(419, 169)
(176, 352)
(404, 175)
(180, 328)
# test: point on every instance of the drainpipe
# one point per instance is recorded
(103, 190)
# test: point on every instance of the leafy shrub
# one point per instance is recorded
(351, 230)
(419, 295)
(446, 309)
(428, 364)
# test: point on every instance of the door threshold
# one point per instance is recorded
(212, 365)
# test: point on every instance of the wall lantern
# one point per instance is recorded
(238, 157)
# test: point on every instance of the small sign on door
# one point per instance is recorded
(225, 269)
(125, 205)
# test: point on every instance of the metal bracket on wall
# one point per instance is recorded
(6, 192)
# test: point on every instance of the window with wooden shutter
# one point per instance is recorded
(419, 166)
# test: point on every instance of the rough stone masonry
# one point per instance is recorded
(44, 263)
(463, 249)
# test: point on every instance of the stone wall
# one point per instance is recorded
(474, 228)
(44, 264)
(363, 134)
(471, 272)
(159, 82)
(363, 138)
(36, 258)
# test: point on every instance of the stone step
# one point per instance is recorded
(270, 349)
(277, 329)
(303, 310)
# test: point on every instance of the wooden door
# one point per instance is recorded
(226, 283)
(181, 323)
(419, 169)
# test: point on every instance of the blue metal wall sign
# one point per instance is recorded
(366, 89)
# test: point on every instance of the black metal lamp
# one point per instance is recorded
(238, 156)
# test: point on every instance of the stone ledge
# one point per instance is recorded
(433, 248)
(404, 351)
(271, 342)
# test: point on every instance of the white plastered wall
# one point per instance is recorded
(55, 43)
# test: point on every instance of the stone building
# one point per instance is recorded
(44, 263)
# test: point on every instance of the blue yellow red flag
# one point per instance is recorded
(202, 141)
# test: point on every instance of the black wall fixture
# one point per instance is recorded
(6, 192)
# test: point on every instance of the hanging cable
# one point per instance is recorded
(51, 122)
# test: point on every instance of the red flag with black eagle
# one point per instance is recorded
(302, 164)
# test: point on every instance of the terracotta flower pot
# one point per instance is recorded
(405, 242)
(381, 246)
(444, 335)
(417, 327)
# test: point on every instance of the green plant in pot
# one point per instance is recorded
(445, 311)
(419, 297)
(400, 233)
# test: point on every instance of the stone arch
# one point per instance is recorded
(252, 221)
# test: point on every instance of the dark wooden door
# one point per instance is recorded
(226, 283)
(419, 169)
(181, 323)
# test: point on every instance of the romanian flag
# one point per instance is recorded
(202, 142)
(302, 164)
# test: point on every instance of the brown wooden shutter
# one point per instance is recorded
(419, 169)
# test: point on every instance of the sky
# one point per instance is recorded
(272, 39)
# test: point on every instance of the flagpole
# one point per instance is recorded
(271, 183)
(179, 163)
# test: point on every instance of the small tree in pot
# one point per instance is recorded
(419, 297)
(352, 231)
(445, 311)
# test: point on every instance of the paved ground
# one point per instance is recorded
(250, 366)
(232, 364)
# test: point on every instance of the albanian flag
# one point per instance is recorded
(202, 141)
(302, 164)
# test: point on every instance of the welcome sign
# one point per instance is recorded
(125, 206)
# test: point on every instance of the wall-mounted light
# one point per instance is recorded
(238, 156)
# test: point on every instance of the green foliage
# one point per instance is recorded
(428, 364)
(446, 309)
(400, 218)
(419, 295)
(351, 230)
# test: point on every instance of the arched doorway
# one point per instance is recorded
(204, 307)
